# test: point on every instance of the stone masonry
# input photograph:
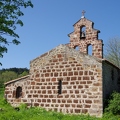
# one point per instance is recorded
(81, 82)
(90, 38)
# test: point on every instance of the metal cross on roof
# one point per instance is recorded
(83, 13)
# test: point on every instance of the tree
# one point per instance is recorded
(113, 51)
(7, 76)
(23, 74)
(10, 12)
(11, 73)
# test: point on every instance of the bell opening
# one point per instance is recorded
(83, 33)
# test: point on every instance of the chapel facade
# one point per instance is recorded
(66, 79)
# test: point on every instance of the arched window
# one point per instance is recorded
(77, 48)
(83, 32)
(89, 49)
(18, 92)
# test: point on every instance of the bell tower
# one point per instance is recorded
(84, 35)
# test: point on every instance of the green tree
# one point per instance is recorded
(112, 51)
(23, 74)
(7, 76)
(11, 74)
(10, 13)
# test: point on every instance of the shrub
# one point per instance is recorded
(114, 104)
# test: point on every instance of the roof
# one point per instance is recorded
(65, 49)
(105, 60)
(83, 19)
(18, 79)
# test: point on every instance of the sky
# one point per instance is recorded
(49, 22)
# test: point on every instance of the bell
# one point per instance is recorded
(83, 34)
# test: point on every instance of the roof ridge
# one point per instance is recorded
(17, 79)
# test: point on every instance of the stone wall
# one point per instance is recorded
(111, 81)
(10, 90)
(91, 38)
(81, 87)
(81, 77)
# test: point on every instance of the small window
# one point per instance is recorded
(112, 74)
(77, 48)
(18, 92)
(59, 86)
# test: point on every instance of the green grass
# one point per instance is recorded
(36, 113)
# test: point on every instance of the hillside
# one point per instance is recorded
(11, 73)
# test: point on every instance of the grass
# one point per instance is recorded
(36, 113)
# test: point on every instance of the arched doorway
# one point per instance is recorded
(18, 92)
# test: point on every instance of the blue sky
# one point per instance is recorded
(50, 21)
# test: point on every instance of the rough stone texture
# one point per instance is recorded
(81, 82)
(10, 90)
(84, 78)
(91, 38)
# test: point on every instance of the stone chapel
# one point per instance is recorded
(66, 79)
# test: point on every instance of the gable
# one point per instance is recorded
(85, 35)
(60, 54)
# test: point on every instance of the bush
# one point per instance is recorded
(114, 104)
